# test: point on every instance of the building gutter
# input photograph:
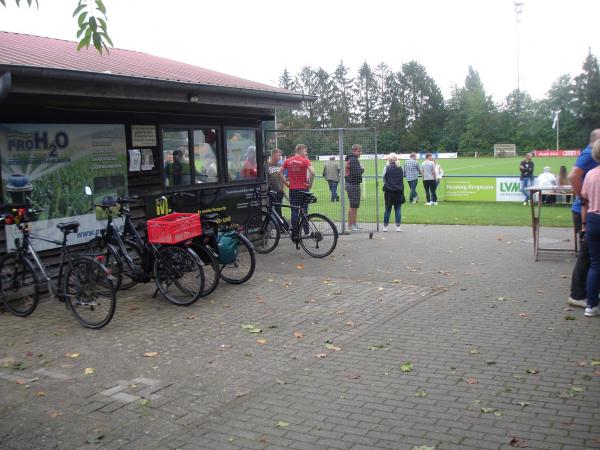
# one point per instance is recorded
(192, 88)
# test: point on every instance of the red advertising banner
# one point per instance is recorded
(539, 153)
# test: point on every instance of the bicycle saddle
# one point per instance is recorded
(68, 227)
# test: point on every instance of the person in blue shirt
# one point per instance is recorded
(583, 165)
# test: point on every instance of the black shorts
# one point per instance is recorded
(353, 191)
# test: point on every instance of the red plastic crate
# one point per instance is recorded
(174, 228)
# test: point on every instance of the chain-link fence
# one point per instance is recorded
(328, 151)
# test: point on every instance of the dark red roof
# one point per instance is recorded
(36, 51)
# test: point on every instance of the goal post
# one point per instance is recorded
(505, 150)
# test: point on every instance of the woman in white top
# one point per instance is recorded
(439, 173)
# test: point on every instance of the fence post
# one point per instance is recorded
(376, 181)
(342, 179)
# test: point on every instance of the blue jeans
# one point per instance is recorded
(412, 184)
(297, 199)
(525, 183)
(592, 238)
(333, 188)
(388, 213)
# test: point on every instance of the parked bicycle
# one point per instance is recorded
(83, 282)
(224, 250)
(314, 232)
(165, 257)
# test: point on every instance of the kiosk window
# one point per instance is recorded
(176, 157)
(205, 155)
(241, 154)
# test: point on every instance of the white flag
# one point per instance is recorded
(555, 122)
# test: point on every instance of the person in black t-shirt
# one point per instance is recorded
(526, 168)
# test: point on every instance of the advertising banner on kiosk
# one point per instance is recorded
(47, 166)
(470, 189)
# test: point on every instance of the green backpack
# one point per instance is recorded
(228, 247)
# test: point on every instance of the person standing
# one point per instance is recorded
(393, 191)
(547, 179)
(331, 172)
(273, 180)
(439, 174)
(526, 168)
(412, 170)
(590, 220)
(300, 174)
(428, 168)
(353, 176)
(583, 165)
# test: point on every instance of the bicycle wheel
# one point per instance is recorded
(242, 269)
(112, 260)
(19, 284)
(318, 235)
(89, 292)
(178, 275)
(263, 232)
(210, 267)
(134, 252)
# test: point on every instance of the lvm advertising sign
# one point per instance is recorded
(483, 189)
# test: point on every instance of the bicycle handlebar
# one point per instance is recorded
(20, 215)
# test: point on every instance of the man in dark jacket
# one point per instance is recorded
(354, 173)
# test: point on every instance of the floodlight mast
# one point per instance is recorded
(518, 11)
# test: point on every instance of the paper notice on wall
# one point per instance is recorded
(147, 159)
(135, 160)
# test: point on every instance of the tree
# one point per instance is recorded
(365, 91)
(587, 94)
(342, 87)
(91, 19)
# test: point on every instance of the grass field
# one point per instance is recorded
(496, 213)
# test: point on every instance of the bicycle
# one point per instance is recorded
(168, 259)
(242, 263)
(315, 233)
(83, 282)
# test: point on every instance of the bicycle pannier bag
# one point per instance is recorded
(228, 247)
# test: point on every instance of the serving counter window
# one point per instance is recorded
(190, 156)
(241, 154)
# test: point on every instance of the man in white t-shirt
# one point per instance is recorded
(428, 168)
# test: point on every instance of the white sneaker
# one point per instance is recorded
(435, 203)
(591, 312)
(524, 203)
(384, 229)
(428, 204)
(578, 303)
(354, 228)
(398, 228)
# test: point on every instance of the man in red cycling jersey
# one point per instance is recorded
(300, 175)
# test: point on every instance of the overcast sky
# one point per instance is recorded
(258, 39)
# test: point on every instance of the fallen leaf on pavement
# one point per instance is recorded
(471, 380)
(338, 292)
(144, 402)
(95, 438)
(378, 347)
(488, 410)
(523, 314)
(72, 355)
(150, 354)
(423, 447)
(282, 424)
(406, 367)
(532, 371)
(261, 341)
(595, 362)
(298, 335)
(421, 393)
(570, 318)
(523, 404)
(474, 352)
(353, 376)
(225, 347)
(55, 414)
(597, 373)
(192, 317)
(443, 272)
(518, 442)
(340, 311)
(331, 347)
(321, 355)
(582, 364)
(40, 394)
(350, 323)
(300, 266)
(89, 371)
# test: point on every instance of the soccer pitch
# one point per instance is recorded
(476, 213)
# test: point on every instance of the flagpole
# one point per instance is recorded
(557, 127)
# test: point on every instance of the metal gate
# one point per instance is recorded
(328, 149)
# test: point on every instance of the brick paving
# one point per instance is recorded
(484, 327)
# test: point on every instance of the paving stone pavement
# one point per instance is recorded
(484, 328)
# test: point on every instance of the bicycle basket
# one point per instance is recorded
(228, 247)
(174, 228)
